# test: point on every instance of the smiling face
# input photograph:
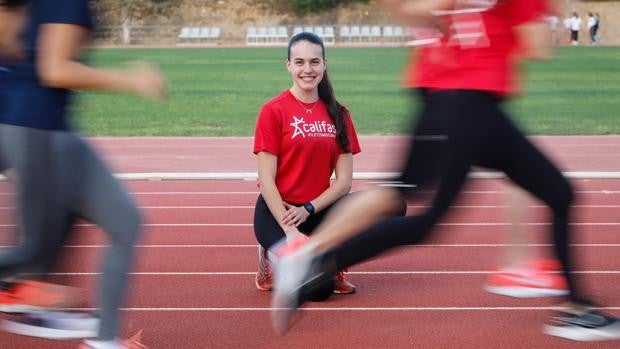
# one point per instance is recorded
(307, 67)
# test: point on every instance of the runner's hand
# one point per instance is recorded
(148, 81)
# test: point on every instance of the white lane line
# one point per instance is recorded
(475, 224)
(244, 273)
(360, 309)
(356, 175)
(607, 192)
(170, 246)
(244, 207)
(412, 246)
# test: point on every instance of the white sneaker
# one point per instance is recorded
(291, 269)
(54, 325)
(588, 326)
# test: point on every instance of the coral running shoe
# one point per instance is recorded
(533, 279)
(343, 286)
(28, 296)
(264, 278)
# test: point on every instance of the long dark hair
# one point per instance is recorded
(335, 110)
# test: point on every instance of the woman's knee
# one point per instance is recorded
(564, 196)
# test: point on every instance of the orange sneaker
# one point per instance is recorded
(534, 279)
(135, 342)
(263, 279)
(543, 265)
(342, 285)
(27, 296)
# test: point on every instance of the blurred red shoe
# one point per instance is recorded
(263, 279)
(533, 279)
(342, 285)
(28, 296)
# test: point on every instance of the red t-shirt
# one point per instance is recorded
(478, 52)
(305, 144)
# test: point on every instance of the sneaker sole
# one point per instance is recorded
(42, 332)
(336, 291)
(584, 334)
(21, 308)
(266, 289)
(526, 292)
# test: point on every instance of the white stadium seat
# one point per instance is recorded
(345, 33)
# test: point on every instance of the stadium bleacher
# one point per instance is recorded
(270, 35)
(199, 34)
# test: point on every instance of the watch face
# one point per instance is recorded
(308, 206)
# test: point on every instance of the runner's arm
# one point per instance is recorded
(58, 66)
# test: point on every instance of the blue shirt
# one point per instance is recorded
(24, 101)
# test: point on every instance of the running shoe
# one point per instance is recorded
(28, 296)
(293, 265)
(584, 326)
(135, 342)
(263, 279)
(343, 286)
(533, 279)
(299, 277)
(54, 325)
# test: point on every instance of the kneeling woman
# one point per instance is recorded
(302, 136)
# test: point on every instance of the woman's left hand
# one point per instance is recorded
(295, 215)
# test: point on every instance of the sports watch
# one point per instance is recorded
(309, 207)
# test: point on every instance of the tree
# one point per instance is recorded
(307, 6)
(127, 16)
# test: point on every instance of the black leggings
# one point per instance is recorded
(458, 129)
(60, 178)
(267, 229)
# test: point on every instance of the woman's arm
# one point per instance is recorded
(58, 49)
(534, 38)
(340, 186)
(267, 167)
(12, 20)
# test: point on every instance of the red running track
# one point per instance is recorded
(193, 282)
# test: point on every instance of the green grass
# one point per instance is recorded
(217, 92)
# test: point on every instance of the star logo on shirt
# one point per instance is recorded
(298, 130)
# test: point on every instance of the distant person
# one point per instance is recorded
(575, 27)
(60, 177)
(567, 25)
(592, 27)
(597, 25)
(553, 21)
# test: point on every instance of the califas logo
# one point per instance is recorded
(313, 129)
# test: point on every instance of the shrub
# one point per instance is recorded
(307, 6)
